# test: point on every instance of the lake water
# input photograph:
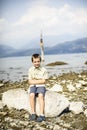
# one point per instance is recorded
(16, 68)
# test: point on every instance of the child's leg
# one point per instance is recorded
(41, 94)
(32, 99)
(41, 102)
(32, 102)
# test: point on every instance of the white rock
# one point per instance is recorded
(56, 127)
(57, 88)
(82, 82)
(18, 98)
(85, 112)
(1, 84)
(85, 89)
(78, 85)
(63, 81)
(1, 104)
(76, 107)
(71, 88)
(79, 76)
(68, 81)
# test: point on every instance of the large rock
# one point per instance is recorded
(1, 104)
(18, 98)
(76, 107)
(57, 88)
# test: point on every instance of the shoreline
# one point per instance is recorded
(18, 119)
(6, 85)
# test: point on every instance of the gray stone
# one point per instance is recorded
(56, 127)
(76, 107)
(1, 84)
(18, 98)
(57, 88)
(1, 104)
(71, 88)
(55, 103)
(85, 112)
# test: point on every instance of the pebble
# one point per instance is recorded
(57, 127)
(85, 112)
(82, 82)
(1, 84)
(85, 89)
(1, 104)
(71, 88)
(78, 85)
(14, 119)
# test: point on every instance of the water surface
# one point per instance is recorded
(16, 68)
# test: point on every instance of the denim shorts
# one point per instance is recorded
(37, 90)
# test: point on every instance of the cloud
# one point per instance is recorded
(51, 17)
(52, 20)
(3, 24)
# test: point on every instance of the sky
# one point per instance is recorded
(22, 21)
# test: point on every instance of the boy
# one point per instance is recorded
(37, 79)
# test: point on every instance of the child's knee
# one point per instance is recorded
(32, 95)
(40, 95)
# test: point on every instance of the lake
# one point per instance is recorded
(16, 68)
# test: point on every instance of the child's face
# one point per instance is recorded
(36, 62)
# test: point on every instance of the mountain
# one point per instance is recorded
(6, 50)
(76, 46)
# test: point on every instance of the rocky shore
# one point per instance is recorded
(72, 85)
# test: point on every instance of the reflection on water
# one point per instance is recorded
(16, 68)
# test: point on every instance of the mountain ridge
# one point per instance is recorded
(75, 46)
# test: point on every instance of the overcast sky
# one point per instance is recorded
(21, 21)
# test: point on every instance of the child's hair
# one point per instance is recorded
(35, 56)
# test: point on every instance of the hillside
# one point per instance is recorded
(6, 50)
(76, 46)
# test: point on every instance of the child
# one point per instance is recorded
(37, 79)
